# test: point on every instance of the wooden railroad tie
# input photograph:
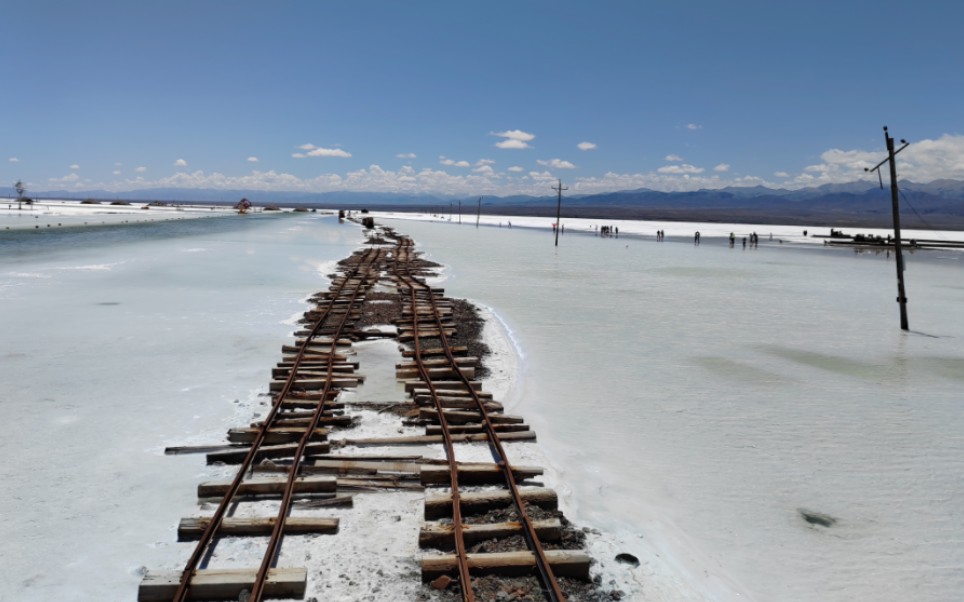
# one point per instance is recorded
(465, 416)
(268, 486)
(284, 450)
(564, 563)
(191, 527)
(318, 384)
(474, 502)
(275, 435)
(430, 439)
(442, 536)
(439, 373)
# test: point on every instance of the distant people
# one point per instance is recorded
(804, 232)
(510, 224)
(696, 237)
(744, 242)
(617, 231)
(563, 229)
(732, 239)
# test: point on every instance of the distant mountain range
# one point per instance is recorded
(938, 204)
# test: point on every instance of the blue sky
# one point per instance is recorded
(496, 97)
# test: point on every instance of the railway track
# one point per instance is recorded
(487, 514)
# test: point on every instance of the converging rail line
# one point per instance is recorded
(498, 529)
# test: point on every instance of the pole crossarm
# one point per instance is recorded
(894, 193)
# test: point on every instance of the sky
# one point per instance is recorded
(476, 98)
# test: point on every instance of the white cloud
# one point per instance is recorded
(557, 164)
(116, 172)
(405, 156)
(673, 158)
(694, 126)
(510, 144)
(722, 168)
(452, 162)
(685, 168)
(485, 162)
(922, 161)
(316, 151)
(71, 178)
(541, 177)
(75, 166)
(925, 160)
(14, 160)
(180, 163)
(586, 146)
(252, 159)
(514, 139)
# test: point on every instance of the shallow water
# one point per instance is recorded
(692, 399)
(116, 343)
(697, 398)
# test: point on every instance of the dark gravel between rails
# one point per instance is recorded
(385, 308)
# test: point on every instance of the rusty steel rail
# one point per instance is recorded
(460, 552)
(549, 581)
(370, 257)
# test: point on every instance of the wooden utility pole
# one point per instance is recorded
(559, 189)
(478, 213)
(460, 211)
(891, 153)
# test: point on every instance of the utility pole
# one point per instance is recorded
(460, 211)
(20, 191)
(478, 213)
(891, 153)
(559, 189)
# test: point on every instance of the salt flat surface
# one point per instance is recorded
(697, 398)
(689, 403)
(117, 342)
(65, 214)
